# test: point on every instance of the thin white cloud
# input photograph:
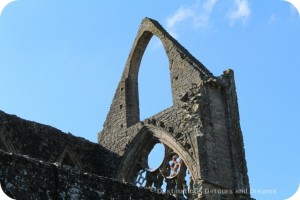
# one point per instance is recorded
(241, 12)
(198, 13)
(209, 5)
(203, 18)
(181, 14)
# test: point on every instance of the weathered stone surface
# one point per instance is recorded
(200, 132)
(202, 126)
(27, 178)
(50, 144)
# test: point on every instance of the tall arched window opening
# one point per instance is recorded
(154, 82)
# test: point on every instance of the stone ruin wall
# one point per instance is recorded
(202, 127)
(27, 178)
(33, 165)
(49, 144)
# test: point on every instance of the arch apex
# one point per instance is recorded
(124, 111)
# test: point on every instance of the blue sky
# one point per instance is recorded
(61, 60)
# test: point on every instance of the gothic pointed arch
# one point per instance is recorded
(124, 110)
(2, 146)
(142, 144)
(154, 96)
(68, 157)
(201, 128)
(177, 166)
(5, 143)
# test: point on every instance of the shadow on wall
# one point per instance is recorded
(51, 145)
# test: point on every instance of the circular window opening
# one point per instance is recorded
(156, 156)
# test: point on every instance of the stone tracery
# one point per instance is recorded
(172, 175)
